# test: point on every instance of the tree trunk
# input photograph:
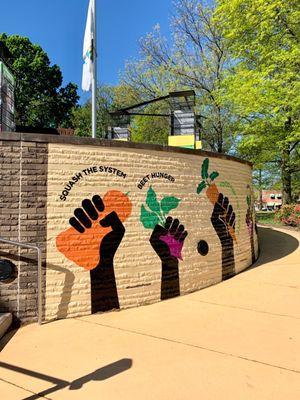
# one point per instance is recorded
(286, 177)
(219, 130)
(260, 190)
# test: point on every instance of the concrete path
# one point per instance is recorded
(237, 340)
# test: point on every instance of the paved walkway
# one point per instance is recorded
(237, 340)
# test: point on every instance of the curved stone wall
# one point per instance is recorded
(127, 225)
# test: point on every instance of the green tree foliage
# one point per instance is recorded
(148, 129)
(263, 87)
(196, 59)
(296, 187)
(109, 98)
(82, 115)
(125, 95)
(81, 120)
(40, 99)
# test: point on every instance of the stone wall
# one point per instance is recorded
(22, 219)
(9, 217)
(120, 224)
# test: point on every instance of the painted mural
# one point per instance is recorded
(167, 239)
(95, 233)
(250, 220)
(223, 219)
(121, 236)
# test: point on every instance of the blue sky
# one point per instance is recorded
(58, 26)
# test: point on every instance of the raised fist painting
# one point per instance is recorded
(250, 222)
(167, 239)
(223, 221)
(95, 233)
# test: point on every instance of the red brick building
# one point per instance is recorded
(271, 198)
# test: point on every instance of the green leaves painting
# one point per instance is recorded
(158, 211)
(204, 169)
(168, 204)
(201, 186)
(151, 201)
(207, 178)
(148, 219)
(248, 199)
(214, 175)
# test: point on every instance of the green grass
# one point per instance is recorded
(266, 217)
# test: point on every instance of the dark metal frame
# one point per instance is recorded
(190, 101)
(125, 111)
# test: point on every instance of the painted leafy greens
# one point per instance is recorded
(207, 178)
(248, 199)
(168, 204)
(204, 169)
(155, 212)
(149, 219)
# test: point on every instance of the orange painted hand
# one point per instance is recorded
(96, 230)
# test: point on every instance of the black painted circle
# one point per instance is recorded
(6, 270)
(202, 248)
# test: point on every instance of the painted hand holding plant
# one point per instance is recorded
(249, 216)
(84, 241)
(250, 223)
(155, 213)
(167, 239)
(158, 210)
(92, 240)
(212, 192)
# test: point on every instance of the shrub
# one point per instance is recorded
(289, 215)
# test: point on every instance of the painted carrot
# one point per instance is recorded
(212, 194)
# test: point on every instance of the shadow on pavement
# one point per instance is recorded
(7, 337)
(100, 374)
(103, 373)
(274, 245)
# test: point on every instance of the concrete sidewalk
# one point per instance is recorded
(237, 340)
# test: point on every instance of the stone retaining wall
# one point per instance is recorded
(120, 224)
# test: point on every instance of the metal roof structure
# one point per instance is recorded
(182, 100)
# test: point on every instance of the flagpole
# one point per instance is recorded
(94, 76)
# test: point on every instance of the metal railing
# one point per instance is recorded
(39, 283)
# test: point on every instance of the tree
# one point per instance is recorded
(109, 98)
(40, 99)
(81, 119)
(197, 60)
(82, 115)
(263, 86)
(265, 173)
(125, 95)
(148, 129)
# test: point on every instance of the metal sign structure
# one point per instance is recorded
(183, 124)
(7, 101)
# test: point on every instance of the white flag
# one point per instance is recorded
(87, 71)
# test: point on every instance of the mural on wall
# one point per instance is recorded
(250, 220)
(223, 219)
(91, 236)
(95, 233)
(167, 239)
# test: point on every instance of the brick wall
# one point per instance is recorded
(51, 181)
(9, 217)
(23, 219)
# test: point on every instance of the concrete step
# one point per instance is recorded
(5, 322)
